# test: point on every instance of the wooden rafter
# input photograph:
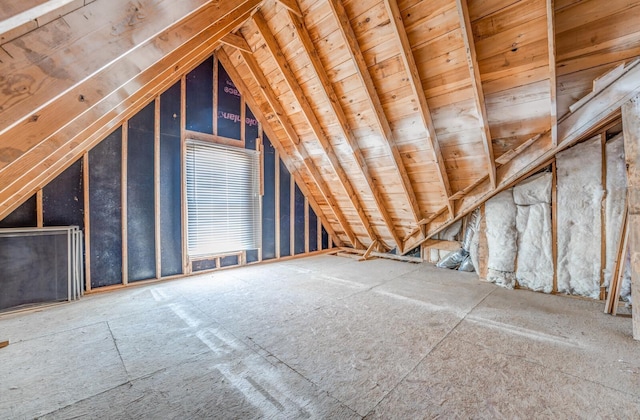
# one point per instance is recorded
(291, 6)
(310, 116)
(362, 70)
(406, 54)
(551, 37)
(602, 108)
(111, 95)
(268, 129)
(476, 84)
(236, 41)
(271, 97)
(332, 98)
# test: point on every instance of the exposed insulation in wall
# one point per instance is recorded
(448, 234)
(474, 246)
(615, 202)
(502, 238)
(579, 174)
(534, 256)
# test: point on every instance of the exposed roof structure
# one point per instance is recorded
(398, 116)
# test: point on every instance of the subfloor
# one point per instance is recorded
(320, 337)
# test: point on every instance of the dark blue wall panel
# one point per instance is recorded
(325, 239)
(23, 216)
(105, 177)
(252, 255)
(170, 183)
(269, 202)
(199, 92)
(141, 243)
(313, 230)
(63, 199)
(285, 211)
(298, 231)
(229, 106)
(229, 261)
(202, 265)
(250, 129)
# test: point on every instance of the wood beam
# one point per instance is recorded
(362, 70)
(236, 41)
(551, 37)
(291, 6)
(408, 59)
(338, 110)
(631, 128)
(267, 127)
(314, 124)
(476, 84)
(51, 140)
(576, 126)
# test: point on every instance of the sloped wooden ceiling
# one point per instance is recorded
(399, 115)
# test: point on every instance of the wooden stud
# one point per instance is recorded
(292, 216)
(271, 97)
(416, 86)
(87, 222)
(266, 126)
(277, 202)
(186, 266)
(261, 160)
(338, 110)
(306, 225)
(620, 269)
(631, 128)
(39, 209)
(476, 84)
(156, 183)
(617, 274)
(123, 215)
(554, 224)
(314, 124)
(243, 118)
(551, 37)
(319, 235)
(215, 97)
(373, 98)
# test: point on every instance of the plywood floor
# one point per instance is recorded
(322, 337)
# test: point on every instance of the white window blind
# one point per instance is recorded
(223, 199)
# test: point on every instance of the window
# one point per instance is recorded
(223, 199)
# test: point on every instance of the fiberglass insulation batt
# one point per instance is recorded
(615, 201)
(533, 222)
(579, 189)
(500, 212)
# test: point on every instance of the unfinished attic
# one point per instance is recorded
(319, 209)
